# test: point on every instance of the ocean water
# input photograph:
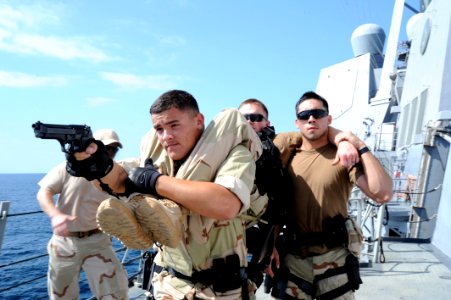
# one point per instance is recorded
(26, 236)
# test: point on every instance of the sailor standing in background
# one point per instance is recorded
(77, 243)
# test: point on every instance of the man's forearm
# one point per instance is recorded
(379, 183)
(347, 153)
(205, 198)
(115, 179)
(46, 202)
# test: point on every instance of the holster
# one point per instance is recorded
(268, 284)
(353, 271)
(254, 273)
(335, 233)
(148, 268)
(226, 273)
(279, 283)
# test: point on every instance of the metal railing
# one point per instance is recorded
(126, 260)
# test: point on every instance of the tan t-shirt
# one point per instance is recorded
(77, 197)
(320, 189)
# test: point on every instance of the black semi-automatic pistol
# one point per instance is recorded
(73, 138)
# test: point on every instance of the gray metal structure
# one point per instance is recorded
(4, 208)
(402, 101)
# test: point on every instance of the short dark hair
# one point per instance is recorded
(179, 99)
(308, 96)
(255, 101)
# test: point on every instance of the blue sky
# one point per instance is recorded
(104, 62)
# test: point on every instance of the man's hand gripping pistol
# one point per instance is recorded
(72, 138)
(76, 138)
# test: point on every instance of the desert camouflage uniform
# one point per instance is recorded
(94, 253)
(107, 279)
(225, 154)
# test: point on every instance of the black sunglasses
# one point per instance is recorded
(316, 113)
(111, 149)
(254, 117)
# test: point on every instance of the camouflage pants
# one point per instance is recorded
(310, 267)
(68, 255)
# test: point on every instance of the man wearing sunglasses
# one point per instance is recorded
(271, 184)
(77, 242)
(321, 243)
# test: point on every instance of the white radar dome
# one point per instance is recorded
(368, 38)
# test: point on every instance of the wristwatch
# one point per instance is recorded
(363, 150)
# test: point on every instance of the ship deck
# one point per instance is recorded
(410, 271)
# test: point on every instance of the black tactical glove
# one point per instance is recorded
(145, 178)
(94, 167)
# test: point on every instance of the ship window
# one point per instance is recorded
(412, 118)
(404, 128)
(420, 111)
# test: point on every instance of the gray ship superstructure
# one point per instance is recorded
(399, 102)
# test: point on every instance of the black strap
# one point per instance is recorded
(106, 188)
(129, 188)
(203, 277)
(244, 285)
(303, 284)
(331, 272)
(310, 289)
(311, 239)
(335, 234)
(335, 293)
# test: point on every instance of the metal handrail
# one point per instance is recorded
(24, 213)
(22, 283)
(23, 260)
(124, 261)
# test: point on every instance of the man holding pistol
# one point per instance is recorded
(77, 243)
